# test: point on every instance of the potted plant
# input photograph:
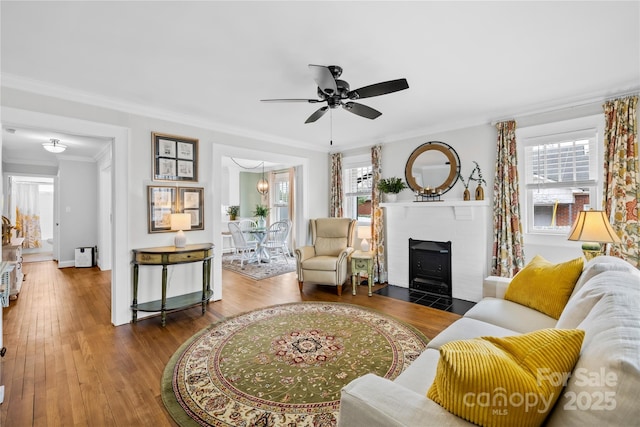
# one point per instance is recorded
(233, 212)
(261, 212)
(479, 179)
(391, 187)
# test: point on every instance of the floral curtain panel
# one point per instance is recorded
(621, 176)
(337, 191)
(377, 219)
(508, 245)
(27, 221)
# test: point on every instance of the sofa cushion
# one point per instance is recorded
(509, 315)
(420, 374)
(545, 286)
(603, 389)
(466, 328)
(494, 381)
(581, 304)
(598, 265)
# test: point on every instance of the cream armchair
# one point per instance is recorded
(325, 261)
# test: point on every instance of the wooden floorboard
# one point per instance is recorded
(66, 365)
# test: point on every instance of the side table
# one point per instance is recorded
(361, 262)
(170, 255)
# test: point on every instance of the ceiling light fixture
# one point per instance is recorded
(263, 185)
(54, 146)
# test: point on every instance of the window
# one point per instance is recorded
(358, 184)
(280, 197)
(560, 179)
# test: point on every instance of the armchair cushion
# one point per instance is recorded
(332, 235)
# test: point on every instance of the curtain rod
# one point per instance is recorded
(577, 104)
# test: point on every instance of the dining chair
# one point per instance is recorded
(246, 225)
(245, 250)
(276, 240)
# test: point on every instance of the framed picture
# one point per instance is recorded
(191, 201)
(175, 158)
(161, 204)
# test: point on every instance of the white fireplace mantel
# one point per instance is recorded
(467, 224)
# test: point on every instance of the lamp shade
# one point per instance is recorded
(364, 233)
(180, 221)
(593, 226)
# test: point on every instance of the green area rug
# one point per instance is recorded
(283, 365)
(259, 271)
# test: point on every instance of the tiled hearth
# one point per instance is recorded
(452, 305)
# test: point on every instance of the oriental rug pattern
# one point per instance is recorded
(283, 365)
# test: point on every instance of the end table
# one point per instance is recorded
(361, 262)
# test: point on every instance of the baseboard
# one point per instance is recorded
(65, 264)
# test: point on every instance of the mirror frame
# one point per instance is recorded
(448, 151)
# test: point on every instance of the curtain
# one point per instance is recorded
(27, 203)
(508, 245)
(621, 176)
(377, 218)
(337, 192)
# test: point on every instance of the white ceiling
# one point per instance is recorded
(208, 63)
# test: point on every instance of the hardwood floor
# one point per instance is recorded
(66, 365)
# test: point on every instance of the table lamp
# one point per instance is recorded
(179, 223)
(364, 233)
(593, 228)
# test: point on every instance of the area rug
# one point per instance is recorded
(283, 365)
(259, 271)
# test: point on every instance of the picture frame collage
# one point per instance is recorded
(175, 158)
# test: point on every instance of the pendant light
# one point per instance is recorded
(263, 184)
(54, 146)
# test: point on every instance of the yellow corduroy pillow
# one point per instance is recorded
(544, 286)
(510, 381)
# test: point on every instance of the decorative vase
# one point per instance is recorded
(466, 195)
(479, 192)
(391, 197)
(232, 217)
(262, 222)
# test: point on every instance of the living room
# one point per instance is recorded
(120, 71)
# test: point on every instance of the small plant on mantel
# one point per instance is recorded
(392, 185)
(472, 177)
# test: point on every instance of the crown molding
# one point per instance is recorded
(39, 87)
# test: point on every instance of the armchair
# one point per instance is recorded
(325, 260)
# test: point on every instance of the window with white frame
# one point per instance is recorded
(560, 178)
(280, 196)
(358, 184)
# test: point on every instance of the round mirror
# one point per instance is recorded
(432, 167)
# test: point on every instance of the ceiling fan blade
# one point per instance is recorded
(361, 110)
(379, 89)
(319, 113)
(310, 101)
(324, 79)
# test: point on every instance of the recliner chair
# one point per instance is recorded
(325, 261)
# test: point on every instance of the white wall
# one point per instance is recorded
(77, 196)
(132, 174)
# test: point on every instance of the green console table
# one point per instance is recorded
(170, 255)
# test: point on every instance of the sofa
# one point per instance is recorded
(602, 389)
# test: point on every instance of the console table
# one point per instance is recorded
(170, 255)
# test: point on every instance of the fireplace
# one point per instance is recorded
(430, 267)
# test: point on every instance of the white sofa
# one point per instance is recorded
(605, 384)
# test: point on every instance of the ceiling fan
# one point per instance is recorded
(337, 93)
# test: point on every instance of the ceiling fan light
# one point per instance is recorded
(54, 146)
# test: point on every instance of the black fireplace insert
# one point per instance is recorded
(430, 266)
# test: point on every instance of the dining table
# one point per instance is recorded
(261, 252)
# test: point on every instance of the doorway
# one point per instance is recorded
(31, 209)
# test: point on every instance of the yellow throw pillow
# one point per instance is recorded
(510, 381)
(544, 286)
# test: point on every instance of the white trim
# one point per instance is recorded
(121, 291)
